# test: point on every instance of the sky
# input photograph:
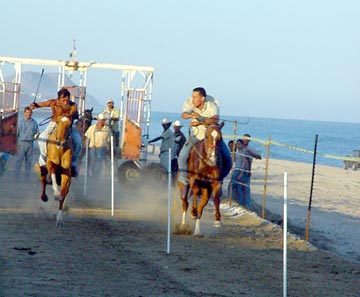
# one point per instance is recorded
(260, 58)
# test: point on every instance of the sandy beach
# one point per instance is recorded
(97, 254)
(335, 208)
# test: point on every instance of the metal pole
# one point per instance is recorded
(86, 164)
(169, 204)
(311, 191)
(112, 174)
(285, 238)
(266, 177)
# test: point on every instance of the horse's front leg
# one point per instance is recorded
(194, 211)
(216, 193)
(184, 202)
(65, 186)
(203, 202)
(43, 181)
(52, 172)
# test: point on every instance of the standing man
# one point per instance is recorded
(240, 177)
(250, 153)
(167, 142)
(99, 145)
(203, 110)
(179, 140)
(112, 115)
(179, 137)
(249, 150)
(28, 131)
(69, 109)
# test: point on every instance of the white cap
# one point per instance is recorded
(177, 124)
(165, 121)
(101, 116)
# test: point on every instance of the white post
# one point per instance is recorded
(112, 173)
(86, 163)
(169, 204)
(285, 237)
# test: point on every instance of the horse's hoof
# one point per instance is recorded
(218, 224)
(198, 235)
(193, 216)
(44, 198)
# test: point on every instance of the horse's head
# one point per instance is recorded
(63, 123)
(85, 121)
(212, 140)
(88, 115)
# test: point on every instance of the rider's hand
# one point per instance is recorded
(195, 115)
(33, 105)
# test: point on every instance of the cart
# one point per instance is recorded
(354, 164)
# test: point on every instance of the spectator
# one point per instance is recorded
(179, 139)
(99, 145)
(248, 150)
(28, 132)
(167, 142)
(112, 116)
(240, 176)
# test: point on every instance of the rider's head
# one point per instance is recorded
(198, 97)
(64, 96)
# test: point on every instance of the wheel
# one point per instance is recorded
(128, 173)
(154, 175)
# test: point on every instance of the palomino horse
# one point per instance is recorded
(58, 163)
(204, 176)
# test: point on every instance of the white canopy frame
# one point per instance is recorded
(134, 78)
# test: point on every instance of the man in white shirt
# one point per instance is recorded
(99, 142)
(203, 110)
(112, 116)
(167, 142)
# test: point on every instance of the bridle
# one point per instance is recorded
(205, 158)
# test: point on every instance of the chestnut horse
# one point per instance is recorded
(204, 169)
(58, 163)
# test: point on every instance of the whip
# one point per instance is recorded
(37, 90)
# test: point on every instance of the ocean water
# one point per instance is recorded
(292, 140)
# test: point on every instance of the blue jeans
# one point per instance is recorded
(184, 156)
(240, 188)
(97, 158)
(26, 152)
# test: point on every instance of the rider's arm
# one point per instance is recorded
(69, 111)
(46, 103)
(205, 121)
